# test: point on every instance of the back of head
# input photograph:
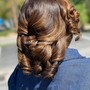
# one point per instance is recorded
(45, 30)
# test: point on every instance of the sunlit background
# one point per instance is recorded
(9, 10)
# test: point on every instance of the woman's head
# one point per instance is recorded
(45, 30)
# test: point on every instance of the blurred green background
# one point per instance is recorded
(9, 10)
(83, 6)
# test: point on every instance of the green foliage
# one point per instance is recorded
(6, 32)
(19, 3)
(83, 12)
(88, 9)
(4, 10)
(77, 1)
(83, 8)
(6, 7)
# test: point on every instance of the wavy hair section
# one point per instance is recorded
(45, 30)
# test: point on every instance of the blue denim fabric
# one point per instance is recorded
(72, 74)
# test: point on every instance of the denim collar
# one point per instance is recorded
(72, 54)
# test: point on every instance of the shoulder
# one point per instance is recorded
(11, 80)
(73, 63)
(73, 72)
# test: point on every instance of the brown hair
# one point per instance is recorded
(45, 30)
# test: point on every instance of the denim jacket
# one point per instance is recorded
(72, 74)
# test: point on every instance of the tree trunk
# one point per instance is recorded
(14, 15)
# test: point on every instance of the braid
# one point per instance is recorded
(45, 31)
(58, 53)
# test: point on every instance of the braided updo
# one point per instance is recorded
(45, 30)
